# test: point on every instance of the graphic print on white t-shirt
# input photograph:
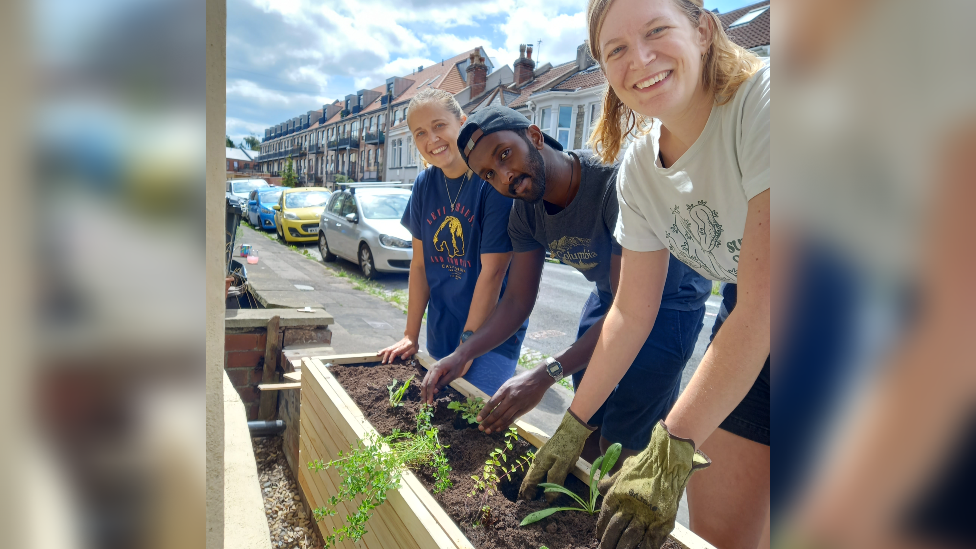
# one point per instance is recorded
(695, 237)
(697, 207)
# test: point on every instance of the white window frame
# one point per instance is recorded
(568, 128)
(546, 128)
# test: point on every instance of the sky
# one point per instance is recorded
(287, 57)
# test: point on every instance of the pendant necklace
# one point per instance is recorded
(464, 180)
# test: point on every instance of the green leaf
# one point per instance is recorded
(550, 487)
(610, 458)
(539, 515)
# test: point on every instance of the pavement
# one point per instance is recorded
(284, 278)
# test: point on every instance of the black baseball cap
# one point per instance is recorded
(491, 120)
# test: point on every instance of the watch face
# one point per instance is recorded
(554, 368)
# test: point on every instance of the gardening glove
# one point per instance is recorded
(640, 508)
(556, 457)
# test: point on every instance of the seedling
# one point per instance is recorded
(396, 395)
(497, 461)
(468, 409)
(603, 464)
(374, 467)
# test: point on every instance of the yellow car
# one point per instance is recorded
(297, 213)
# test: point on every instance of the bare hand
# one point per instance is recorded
(405, 348)
(514, 398)
(440, 374)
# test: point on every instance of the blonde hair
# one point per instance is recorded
(441, 97)
(726, 66)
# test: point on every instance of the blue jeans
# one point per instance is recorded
(651, 385)
(489, 371)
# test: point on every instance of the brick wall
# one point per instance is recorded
(244, 362)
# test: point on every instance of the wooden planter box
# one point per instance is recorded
(410, 518)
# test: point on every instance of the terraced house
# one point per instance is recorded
(347, 139)
(364, 136)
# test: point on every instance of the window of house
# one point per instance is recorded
(235, 164)
(379, 122)
(745, 19)
(562, 132)
(369, 158)
(228, 164)
(545, 120)
(594, 113)
(355, 129)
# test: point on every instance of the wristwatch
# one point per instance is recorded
(466, 335)
(554, 368)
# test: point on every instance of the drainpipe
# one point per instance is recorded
(266, 428)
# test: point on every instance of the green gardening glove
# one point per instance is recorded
(556, 457)
(640, 508)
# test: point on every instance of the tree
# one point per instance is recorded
(288, 177)
(343, 179)
(253, 142)
(229, 142)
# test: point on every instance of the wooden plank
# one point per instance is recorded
(279, 386)
(392, 526)
(294, 376)
(269, 399)
(316, 497)
(323, 425)
(353, 358)
(416, 515)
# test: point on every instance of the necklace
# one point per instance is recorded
(464, 179)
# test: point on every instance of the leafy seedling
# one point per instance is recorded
(468, 409)
(602, 464)
(497, 462)
(374, 467)
(396, 395)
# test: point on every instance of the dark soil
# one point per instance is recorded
(467, 452)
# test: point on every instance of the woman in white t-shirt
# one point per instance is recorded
(697, 186)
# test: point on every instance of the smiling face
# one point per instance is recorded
(652, 55)
(511, 163)
(435, 130)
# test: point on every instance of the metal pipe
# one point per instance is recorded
(266, 428)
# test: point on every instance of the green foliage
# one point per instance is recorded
(229, 143)
(716, 287)
(252, 142)
(468, 409)
(497, 462)
(374, 467)
(288, 176)
(603, 464)
(396, 395)
(341, 178)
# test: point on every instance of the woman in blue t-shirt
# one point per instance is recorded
(461, 248)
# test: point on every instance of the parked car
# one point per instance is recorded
(363, 226)
(260, 204)
(238, 189)
(297, 213)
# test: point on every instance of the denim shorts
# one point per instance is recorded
(750, 419)
(489, 371)
(651, 385)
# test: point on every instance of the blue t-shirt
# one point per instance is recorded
(454, 237)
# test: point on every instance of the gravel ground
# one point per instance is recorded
(291, 527)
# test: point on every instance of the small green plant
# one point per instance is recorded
(375, 466)
(396, 395)
(497, 462)
(468, 409)
(603, 464)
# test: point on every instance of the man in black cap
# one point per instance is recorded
(567, 203)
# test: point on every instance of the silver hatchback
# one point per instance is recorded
(362, 225)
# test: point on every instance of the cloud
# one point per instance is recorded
(285, 57)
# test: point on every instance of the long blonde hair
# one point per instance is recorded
(726, 66)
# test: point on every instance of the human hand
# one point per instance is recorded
(405, 348)
(641, 506)
(440, 374)
(556, 457)
(514, 398)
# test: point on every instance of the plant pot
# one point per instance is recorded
(410, 518)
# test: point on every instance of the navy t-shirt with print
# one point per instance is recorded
(453, 240)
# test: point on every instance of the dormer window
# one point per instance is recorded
(748, 17)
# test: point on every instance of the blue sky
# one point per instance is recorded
(286, 57)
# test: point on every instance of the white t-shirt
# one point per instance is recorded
(697, 207)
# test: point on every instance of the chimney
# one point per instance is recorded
(524, 66)
(477, 73)
(583, 59)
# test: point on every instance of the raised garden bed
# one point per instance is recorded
(334, 419)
